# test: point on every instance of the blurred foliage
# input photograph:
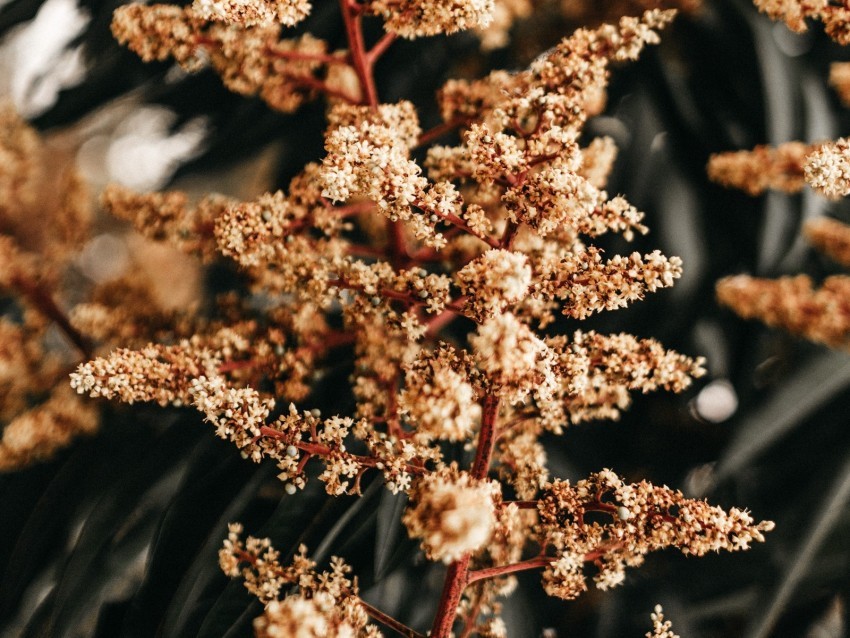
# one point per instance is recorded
(118, 535)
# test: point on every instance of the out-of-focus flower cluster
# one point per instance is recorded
(834, 15)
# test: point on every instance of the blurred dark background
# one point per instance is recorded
(118, 535)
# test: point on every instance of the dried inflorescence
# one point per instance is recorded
(641, 518)
(661, 628)
(835, 16)
(839, 79)
(327, 603)
(825, 166)
(794, 304)
(169, 217)
(827, 169)
(763, 168)
(366, 258)
(40, 432)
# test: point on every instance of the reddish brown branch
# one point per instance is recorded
(352, 18)
(457, 574)
(380, 48)
(450, 598)
(41, 300)
(435, 133)
(389, 621)
(494, 572)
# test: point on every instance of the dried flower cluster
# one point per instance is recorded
(326, 603)
(834, 15)
(370, 255)
(642, 518)
(661, 628)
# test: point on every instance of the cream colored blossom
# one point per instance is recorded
(516, 362)
(762, 168)
(494, 281)
(254, 12)
(827, 169)
(439, 400)
(661, 628)
(794, 304)
(39, 432)
(452, 513)
(829, 236)
(368, 155)
(413, 18)
(586, 284)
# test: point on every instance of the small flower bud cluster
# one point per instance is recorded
(369, 155)
(438, 400)
(326, 603)
(515, 361)
(586, 284)
(251, 60)
(39, 432)
(162, 374)
(555, 197)
(661, 628)
(621, 363)
(642, 518)
(493, 282)
(452, 513)
(827, 169)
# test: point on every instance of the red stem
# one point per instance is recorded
(453, 588)
(493, 572)
(486, 438)
(523, 505)
(439, 131)
(300, 56)
(389, 621)
(43, 302)
(397, 247)
(359, 58)
(457, 574)
(380, 48)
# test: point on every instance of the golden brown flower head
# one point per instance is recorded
(641, 518)
(516, 362)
